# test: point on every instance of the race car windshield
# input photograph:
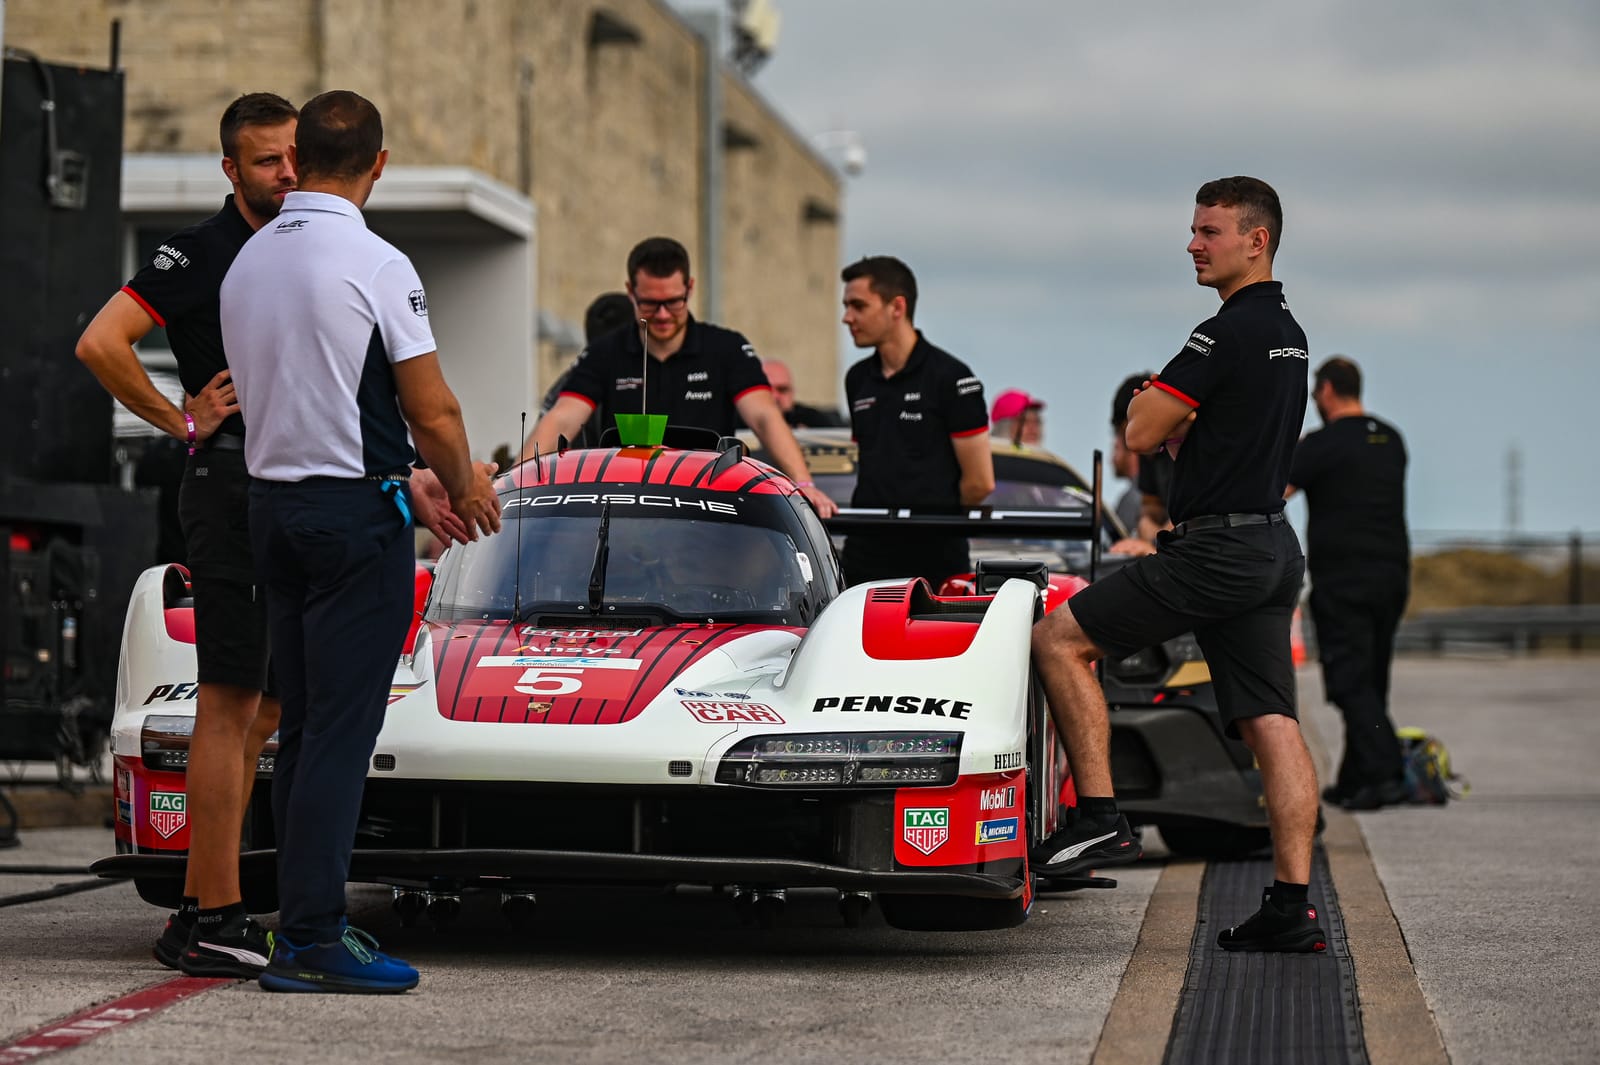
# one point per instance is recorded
(680, 567)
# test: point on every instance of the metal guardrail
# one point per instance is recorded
(1518, 628)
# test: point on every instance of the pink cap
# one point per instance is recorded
(1011, 403)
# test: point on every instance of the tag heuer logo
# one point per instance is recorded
(419, 303)
(927, 828)
(161, 262)
(168, 812)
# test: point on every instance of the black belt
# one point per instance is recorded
(223, 442)
(1226, 521)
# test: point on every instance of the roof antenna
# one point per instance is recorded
(644, 366)
(516, 592)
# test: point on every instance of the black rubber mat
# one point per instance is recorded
(1265, 1009)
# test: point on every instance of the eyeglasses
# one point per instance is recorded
(650, 307)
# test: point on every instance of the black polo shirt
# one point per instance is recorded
(1244, 370)
(179, 287)
(1353, 473)
(903, 425)
(697, 385)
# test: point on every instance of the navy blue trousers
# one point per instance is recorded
(336, 559)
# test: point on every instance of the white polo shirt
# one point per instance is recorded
(316, 310)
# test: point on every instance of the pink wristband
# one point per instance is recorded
(188, 420)
(805, 484)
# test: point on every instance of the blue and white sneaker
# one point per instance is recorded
(351, 965)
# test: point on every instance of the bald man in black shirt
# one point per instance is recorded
(1229, 405)
(1353, 472)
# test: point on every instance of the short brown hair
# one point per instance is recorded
(886, 276)
(339, 136)
(1257, 202)
(252, 109)
(1343, 374)
(658, 257)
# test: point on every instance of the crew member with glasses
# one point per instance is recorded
(699, 374)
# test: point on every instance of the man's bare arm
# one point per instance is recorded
(563, 419)
(434, 417)
(976, 459)
(760, 412)
(106, 348)
(1154, 416)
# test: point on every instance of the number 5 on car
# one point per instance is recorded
(506, 676)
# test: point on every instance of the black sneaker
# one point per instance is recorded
(1377, 796)
(1270, 929)
(174, 937)
(1083, 845)
(239, 947)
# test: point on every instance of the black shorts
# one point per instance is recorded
(230, 610)
(1234, 588)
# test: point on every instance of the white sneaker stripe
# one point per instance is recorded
(249, 957)
(1069, 853)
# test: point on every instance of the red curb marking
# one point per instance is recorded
(96, 1021)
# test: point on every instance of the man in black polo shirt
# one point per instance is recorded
(919, 419)
(178, 289)
(698, 374)
(1353, 472)
(1230, 404)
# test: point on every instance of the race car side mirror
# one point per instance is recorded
(992, 573)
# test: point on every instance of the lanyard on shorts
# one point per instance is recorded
(392, 489)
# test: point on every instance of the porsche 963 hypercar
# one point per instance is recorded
(653, 675)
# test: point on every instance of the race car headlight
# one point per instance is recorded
(850, 760)
(164, 744)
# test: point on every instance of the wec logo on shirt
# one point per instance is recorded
(419, 302)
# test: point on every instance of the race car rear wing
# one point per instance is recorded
(1056, 523)
(985, 522)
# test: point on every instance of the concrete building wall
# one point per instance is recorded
(591, 110)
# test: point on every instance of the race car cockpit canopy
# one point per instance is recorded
(600, 551)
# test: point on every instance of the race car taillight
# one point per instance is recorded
(164, 744)
(850, 760)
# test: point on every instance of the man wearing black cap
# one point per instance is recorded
(1231, 403)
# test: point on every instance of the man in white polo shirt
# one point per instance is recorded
(326, 326)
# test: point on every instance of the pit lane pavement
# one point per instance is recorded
(1490, 895)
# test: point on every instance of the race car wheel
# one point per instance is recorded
(943, 913)
(1220, 842)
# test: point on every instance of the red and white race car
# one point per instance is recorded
(653, 675)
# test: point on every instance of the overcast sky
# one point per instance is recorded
(1439, 162)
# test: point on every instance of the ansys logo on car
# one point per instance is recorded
(168, 812)
(927, 828)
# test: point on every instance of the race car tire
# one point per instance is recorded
(1216, 842)
(944, 913)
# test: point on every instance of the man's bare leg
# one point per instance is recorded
(261, 730)
(1065, 658)
(223, 719)
(1290, 781)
